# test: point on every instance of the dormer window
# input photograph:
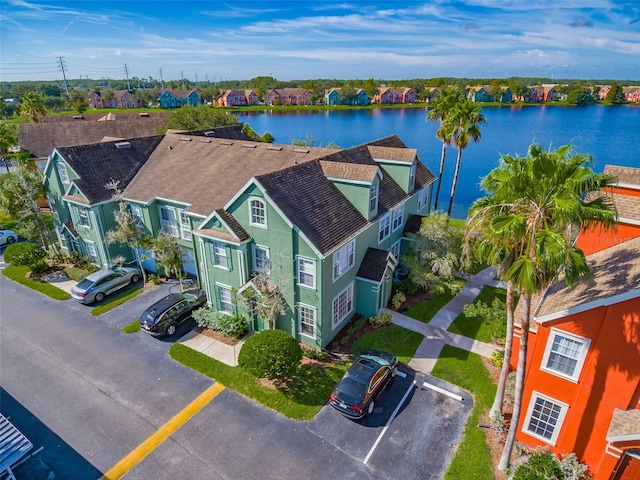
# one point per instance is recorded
(373, 198)
(62, 171)
(412, 176)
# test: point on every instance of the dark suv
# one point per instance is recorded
(164, 316)
(354, 396)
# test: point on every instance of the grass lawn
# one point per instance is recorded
(482, 329)
(465, 369)
(133, 327)
(424, 311)
(302, 397)
(113, 302)
(19, 274)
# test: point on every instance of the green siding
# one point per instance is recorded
(357, 194)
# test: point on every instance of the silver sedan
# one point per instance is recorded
(94, 287)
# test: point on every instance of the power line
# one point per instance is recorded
(66, 87)
(126, 72)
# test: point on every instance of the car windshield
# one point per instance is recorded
(352, 389)
(148, 318)
(84, 284)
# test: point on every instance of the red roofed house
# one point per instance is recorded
(234, 98)
(582, 385)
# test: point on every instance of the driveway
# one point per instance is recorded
(90, 394)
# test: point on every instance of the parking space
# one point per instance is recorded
(412, 432)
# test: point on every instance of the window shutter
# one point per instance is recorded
(229, 258)
(217, 292)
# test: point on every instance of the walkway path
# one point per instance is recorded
(435, 332)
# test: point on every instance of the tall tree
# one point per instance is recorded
(33, 106)
(169, 256)
(189, 117)
(541, 201)
(465, 122)
(7, 140)
(440, 110)
(615, 95)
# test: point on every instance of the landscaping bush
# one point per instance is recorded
(539, 466)
(314, 354)
(497, 358)
(406, 286)
(381, 320)
(270, 354)
(233, 326)
(398, 299)
(26, 254)
(82, 262)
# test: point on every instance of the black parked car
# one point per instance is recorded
(164, 316)
(368, 376)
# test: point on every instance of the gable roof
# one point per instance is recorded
(205, 173)
(97, 164)
(625, 175)
(374, 264)
(616, 277)
(40, 139)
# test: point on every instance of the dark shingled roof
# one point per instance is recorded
(374, 264)
(40, 139)
(314, 204)
(230, 132)
(237, 229)
(99, 163)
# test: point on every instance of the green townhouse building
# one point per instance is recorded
(324, 227)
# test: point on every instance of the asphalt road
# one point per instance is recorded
(89, 394)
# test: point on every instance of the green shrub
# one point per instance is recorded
(82, 262)
(539, 466)
(398, 299)
(497, 358)
(154, 278)
(233, 326)
(270, 354)
(75, 273)
(314, 354)
(406, 286)
(381, 320)
(25, 254)
(207, 317)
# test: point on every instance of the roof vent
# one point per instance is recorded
(123, 145)
(78, 117)
(210, 133)
(301, 150)
(143, 114)
(204, 140)
(248, 145)
(226, 143)
(185, 139)
(273, 147)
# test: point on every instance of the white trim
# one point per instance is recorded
(558, 425)
(624, 438)
(242, 267)
(603, 302)
(630, 221)
(250, 202)
(582, 355)
(204, 263)
(348, 180)
(314, 274)
(315, 320)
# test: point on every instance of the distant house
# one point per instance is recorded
(288, 96)
(333, 96)
(388, 95)
(113, 99)
(603, 91)
(632, 94)
(179, 98)
(478, 94)
(582, 387)
(240, 97)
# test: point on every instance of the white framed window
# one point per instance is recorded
(544, 418)
(342, 306)
(306, 272)
(261, 262)
(185, 226)
(422, 198)
(565, 354)
(412, 176)
(373, 198)
(136, 212)
(168, 221)
(62, 171)
(258, 213)
(395, 250)
(83, 217)
(343, 259)
(398, 218)
(307, 320)
(92, 253)
(384, 229)
(225, 299)
(219, 255)
(63, 240)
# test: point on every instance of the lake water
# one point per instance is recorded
(609, 134)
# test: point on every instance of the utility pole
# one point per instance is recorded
(64, 75)
(126, 72)
(161, 80)
(182, 77)
(196, 79)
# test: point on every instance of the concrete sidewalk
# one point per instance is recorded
(435, 332)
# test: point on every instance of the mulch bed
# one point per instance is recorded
(218, 336)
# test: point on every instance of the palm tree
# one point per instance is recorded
(441, 111)
(465, 125)
(33, 106)
(541, 201)
(7, 140)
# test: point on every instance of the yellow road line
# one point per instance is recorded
(160, 435)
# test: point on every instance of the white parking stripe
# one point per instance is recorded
(393, 415)
(442, 390)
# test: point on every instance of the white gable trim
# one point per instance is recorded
(605, 302)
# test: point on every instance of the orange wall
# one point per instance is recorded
(609, 379)
(599, 239)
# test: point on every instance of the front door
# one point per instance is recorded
(257, 323)
(629, 467)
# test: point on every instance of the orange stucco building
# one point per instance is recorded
(582, 387)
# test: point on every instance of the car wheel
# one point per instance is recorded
(10, 240)
(171, 329)
(371, 407)
(99, 297)
(135, 279)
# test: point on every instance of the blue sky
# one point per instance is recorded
(214, 40)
